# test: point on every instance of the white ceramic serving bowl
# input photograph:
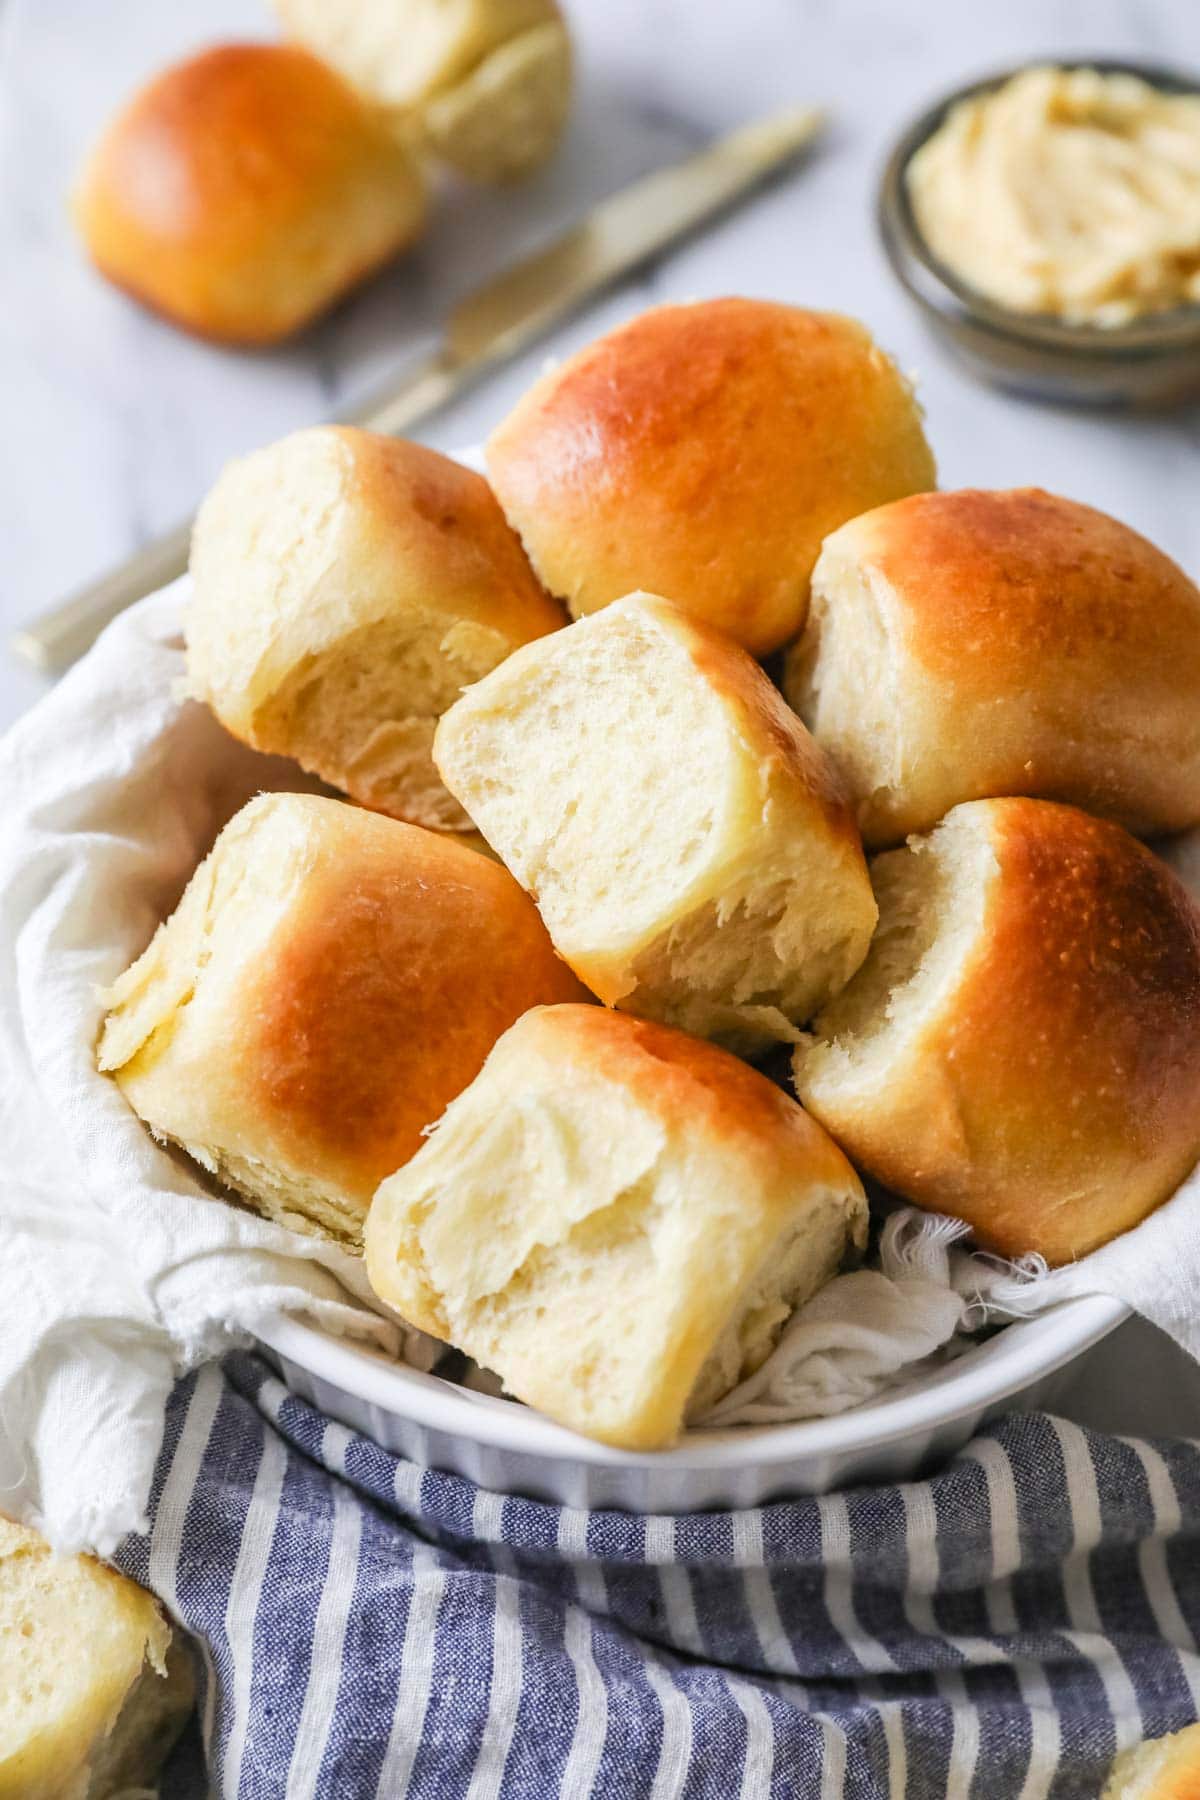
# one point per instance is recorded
(506, 1447)
(510, 1449)
(123, 834)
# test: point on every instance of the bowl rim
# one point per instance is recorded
(934, 284)
(1022, 1352)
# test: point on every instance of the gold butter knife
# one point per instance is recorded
(501, 319)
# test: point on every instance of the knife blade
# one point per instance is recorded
(492, 325)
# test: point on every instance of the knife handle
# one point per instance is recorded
(60, 636)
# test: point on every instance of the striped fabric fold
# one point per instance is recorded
(367, 1628)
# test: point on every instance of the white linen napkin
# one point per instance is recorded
(116, 1270)
(120, 1268)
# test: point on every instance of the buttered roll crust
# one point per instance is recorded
(703, 452)
(1021, 1048)
(329, 981)
(977, 644)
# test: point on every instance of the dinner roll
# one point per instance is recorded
(617, 1219)
(329, 981)
(1165, 1768)
(346, 587)
(1021, 1048)
(486, 84)
(244, 191)
(506, 117)
(704, 451)
(93, 1688)
(974, 644)
(689, 846)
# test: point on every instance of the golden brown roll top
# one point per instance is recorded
(346, 588)
(1021, 1048)
(245, 190)
(703, 452)
(690, 848)
(617, 1219)
(329, 981)
(977, 644)
(94, 1688)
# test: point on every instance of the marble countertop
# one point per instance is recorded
(114, 424)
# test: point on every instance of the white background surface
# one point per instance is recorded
(113, 424)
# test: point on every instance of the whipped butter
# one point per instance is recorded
(1067, 191)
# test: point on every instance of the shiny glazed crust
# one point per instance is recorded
(1031, 645)
(1050, 1092)
(244, 191)
(329, 981)
(703, 452)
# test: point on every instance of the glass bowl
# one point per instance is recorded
(1152, 361)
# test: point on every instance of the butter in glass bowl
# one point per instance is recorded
(1047, 223)
(1067, 191)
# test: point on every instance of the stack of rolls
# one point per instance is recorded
(522, 1082)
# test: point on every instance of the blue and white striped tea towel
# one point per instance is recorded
(370, 1629)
